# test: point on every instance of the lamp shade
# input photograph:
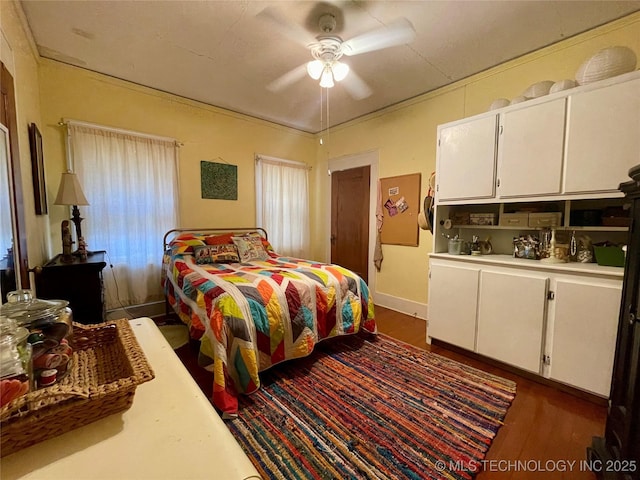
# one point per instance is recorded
(340, 71)
(326, 81)
(70, 192)
(315, 68)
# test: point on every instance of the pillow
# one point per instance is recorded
(186, 242)
(265, 243)
(250, 248)
(226, 253)
(224, 239)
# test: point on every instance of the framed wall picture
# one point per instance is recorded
(37, 170)
(219, 180)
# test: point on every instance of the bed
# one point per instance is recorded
(251, 308)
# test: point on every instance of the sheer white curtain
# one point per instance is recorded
(131, 184)
(282, 204)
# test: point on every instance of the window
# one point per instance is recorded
(130, 181)
(282, 204)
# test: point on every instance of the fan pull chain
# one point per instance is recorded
(321, 112)
(327, 115)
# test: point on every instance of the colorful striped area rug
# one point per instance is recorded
(371, 408)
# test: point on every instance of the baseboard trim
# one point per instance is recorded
(402, 305)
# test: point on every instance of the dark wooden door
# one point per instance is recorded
(350, 219)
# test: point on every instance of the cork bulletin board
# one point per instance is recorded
(401, 205)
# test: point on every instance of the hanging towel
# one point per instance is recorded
(377, 253)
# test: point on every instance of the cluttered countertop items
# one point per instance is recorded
(546, 246)
(37, 344)
(459, 246)
(591, 233)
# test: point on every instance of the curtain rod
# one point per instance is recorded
(282, 161)
(67, 121)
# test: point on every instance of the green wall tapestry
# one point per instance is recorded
(219, 180)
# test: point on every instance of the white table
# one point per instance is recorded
(170, 432)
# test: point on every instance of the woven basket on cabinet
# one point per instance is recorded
(108, 365)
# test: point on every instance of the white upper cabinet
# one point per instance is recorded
(603, 137)
(467, 160)
(530, 150)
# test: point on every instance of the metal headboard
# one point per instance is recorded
(262, 232)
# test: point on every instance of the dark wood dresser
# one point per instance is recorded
(616, 456)
(79, 282)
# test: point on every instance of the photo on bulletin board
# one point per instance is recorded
(401, 206)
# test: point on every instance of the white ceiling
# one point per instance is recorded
(220, 53)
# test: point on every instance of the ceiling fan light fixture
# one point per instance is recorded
(340, 71)
(315, 69)
(326, 81)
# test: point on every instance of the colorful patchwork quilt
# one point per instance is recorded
(250, 316)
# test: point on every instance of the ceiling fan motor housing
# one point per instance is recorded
(327, 23)
(327, 49)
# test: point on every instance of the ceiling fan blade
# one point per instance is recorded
(356, 87)
(398, 32)
(287, 28)
(289, 78)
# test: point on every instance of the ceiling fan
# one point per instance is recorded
(327, 49)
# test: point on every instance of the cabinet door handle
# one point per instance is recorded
(498, 182)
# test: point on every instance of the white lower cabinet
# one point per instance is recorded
(452, 313)
(521, 316)
(582, 332)
(511, 314)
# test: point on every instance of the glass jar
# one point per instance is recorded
(50, 333)
(16, 376)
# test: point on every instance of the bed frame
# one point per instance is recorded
(170, 233)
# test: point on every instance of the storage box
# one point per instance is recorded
(616, 221)
(514, 220)
(459, 218)
(546, 219)
(483, 219)
(609, 256)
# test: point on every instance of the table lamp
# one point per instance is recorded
(70, 193)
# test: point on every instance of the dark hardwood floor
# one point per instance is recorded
(545, 428)
(545, 433)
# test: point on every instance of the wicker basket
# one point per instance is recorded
(108, 365)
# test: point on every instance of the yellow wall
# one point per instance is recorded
(207, 133)
(21, 60)
(405, 136)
